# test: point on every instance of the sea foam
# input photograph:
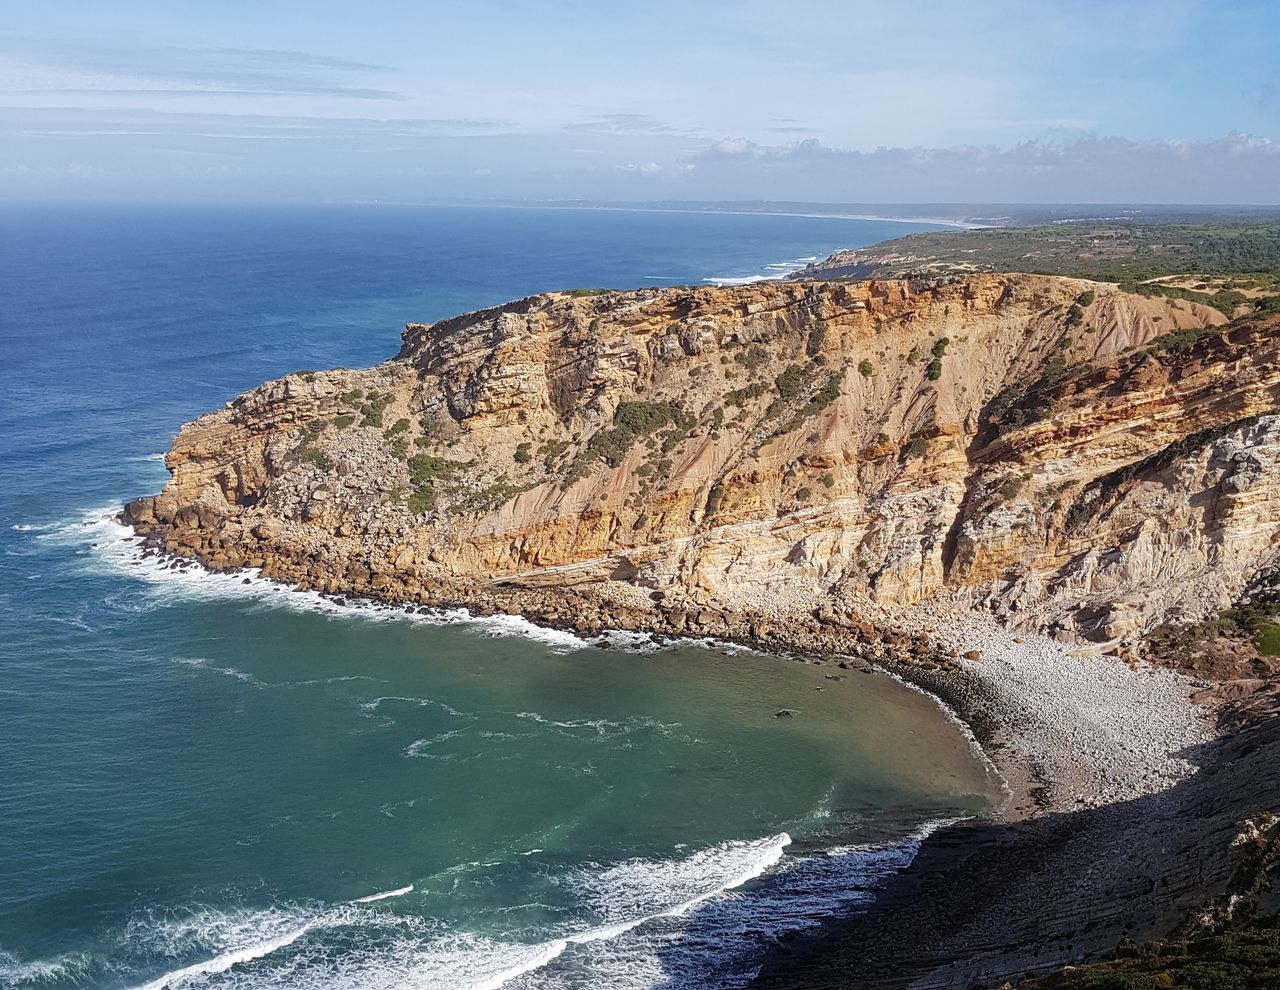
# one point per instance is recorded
(117, 548)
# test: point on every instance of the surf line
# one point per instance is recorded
(552, 949)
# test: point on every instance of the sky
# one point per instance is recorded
(993, 101)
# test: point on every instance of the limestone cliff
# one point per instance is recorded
(1072, 456)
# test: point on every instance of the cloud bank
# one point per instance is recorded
(91, 153)
(1236, 168)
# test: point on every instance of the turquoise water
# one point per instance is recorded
(208, 781)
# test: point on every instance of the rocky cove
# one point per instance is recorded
(993, 485)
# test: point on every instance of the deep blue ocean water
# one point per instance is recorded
(206, 783)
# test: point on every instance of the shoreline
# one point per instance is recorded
(1002, 696)
(1057, 726)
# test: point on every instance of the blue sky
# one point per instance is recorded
(1128, 100)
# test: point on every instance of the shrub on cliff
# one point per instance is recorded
(632, 420)
(425, 472)
(790, 382)
(825, 395)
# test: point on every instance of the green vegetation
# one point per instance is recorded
(913, 356)
(399, 448)
(828, 480)
(934, 371)
(752, 358)
(1003, 412)
(579, 293)
(817, 337)
(790, 382)
(918, 447)
(865, 368)
(552, 451)
(804, 494)
(1010, 488)
(1177, 342)
(343, 421)
(522, 454)
(632, 420)
(1224, 300)
(940, 347)
(374, 406)
(425, 472)
(739, 397)
(399, 426)
(490, 497)
(424, 468)
(825, 395)
(1106, 250)
(316, 457)
(1234, 960)
(1267, 639)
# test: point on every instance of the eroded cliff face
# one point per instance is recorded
(1073, 457)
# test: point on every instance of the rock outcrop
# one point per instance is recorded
(1075, 458)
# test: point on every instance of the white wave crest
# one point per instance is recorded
(118, 549)
(772, 273)
(386, 894)
(649, 921)
(271, 948)
(14, 973)
(234, 957)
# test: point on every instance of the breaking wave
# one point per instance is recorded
(694, 921)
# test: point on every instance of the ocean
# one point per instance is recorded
(209, 781)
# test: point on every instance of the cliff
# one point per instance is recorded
(1078, 459)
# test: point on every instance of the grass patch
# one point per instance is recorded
(1267, 639)
(316, 457)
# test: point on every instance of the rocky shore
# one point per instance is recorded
(991, 904)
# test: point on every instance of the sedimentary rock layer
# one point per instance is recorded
(1078, 459)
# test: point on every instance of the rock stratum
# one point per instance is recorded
(1077, 459)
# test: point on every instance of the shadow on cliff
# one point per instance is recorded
(983, 902)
